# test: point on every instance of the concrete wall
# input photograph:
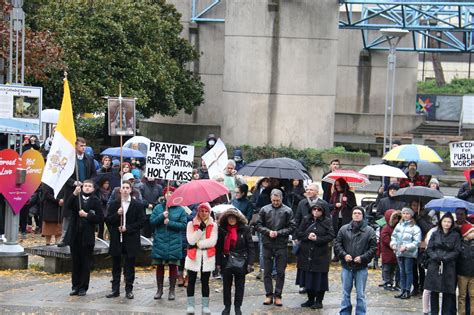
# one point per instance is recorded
(177, 133)
(278, 75)
(361, 88)
(282, 77)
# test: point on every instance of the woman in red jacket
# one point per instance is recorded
(389, 260)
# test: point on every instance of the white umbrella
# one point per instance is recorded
(383, 170)
(50, 116)
(143, 143)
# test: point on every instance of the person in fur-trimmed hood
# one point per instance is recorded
(201, 234)
(234, 240)
(389, 259)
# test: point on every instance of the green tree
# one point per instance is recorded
(133, 42)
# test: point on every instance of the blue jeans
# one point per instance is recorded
(349, 278)
(406, 272)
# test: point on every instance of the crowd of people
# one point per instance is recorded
(423, 253)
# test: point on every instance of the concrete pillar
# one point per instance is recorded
(280, 72)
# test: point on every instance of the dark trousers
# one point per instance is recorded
(278, 256)
(448, 304)
(418, 277)
(101, 230)
(82, 257)
(24, 216)
(318, 295)
(2, 216)
(239, 279)
(128, 271)
(192, 276)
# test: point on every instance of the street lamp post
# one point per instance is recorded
(393, 36)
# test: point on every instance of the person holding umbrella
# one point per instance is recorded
(413, 177)
(342, 201)
(405, 241)
(389, 202)
(167, 224)
(443, 250)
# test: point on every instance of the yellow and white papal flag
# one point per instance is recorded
(62, 154)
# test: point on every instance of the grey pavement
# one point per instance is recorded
(33, 292)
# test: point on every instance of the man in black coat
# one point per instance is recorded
(125, 218)
(85, 169)
(389, 202)
(86, 212)
(327, 187)
(304, 206)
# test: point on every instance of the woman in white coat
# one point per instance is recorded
(201, 234)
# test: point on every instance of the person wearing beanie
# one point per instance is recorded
(465, 270)
(434, 184)
(275, 223)
(167, 225)
(389, 202)
(355, 246)
(405, 240)
(201, 234)
(466, 192)
(443, 250)
(413, 177)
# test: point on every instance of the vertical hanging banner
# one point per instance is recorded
(169, 161)
(461, 153)
(216, 159)
(12, 167)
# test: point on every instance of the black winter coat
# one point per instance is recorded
(465, 265)
(244, 245)
(83, 227)
(276, 219)
(69, 187)
(304, 210)
(466, 193)
(443, 249)
(50, 210)
(314, 255)
(134, 222)
(361, 243)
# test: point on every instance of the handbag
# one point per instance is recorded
(236, 263)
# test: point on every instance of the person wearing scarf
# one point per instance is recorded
(201, 234)
(234, 238)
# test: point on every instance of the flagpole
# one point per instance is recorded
(75, 159)
(121, 158)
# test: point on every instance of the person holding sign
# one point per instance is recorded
(125, 218)
(167, 223)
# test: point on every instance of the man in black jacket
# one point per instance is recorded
(86, 212)
(275, 223)
(355, 246)
(304, 208)
(85, 169)
(125, 218)
(388, 202)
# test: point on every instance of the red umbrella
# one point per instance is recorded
(197, 191)
(467, 174)
(352, 178)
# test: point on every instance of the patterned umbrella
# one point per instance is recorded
(413, 152)
(353, 178)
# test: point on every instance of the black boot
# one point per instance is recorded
(159, 290)
(399, 296)
(226, 310)
(406, 295)
(310, 301)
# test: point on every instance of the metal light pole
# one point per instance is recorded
(393, 36)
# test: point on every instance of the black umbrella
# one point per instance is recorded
(428, 168)
(420, 193)
(284, 168)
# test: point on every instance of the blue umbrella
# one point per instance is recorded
(126, 152)
(449, 204)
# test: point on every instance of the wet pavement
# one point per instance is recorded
(36, 292)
